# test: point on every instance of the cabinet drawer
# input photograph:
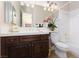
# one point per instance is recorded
(29, 38)
(45, 37)
(11, 39)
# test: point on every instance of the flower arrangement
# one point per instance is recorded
(51, 24)
(47, 19)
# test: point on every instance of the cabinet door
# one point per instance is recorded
(12, 39)
(45, 37)
(29, 38)
(36, 50)
(5, 42)
(40, 49)
(44, 48)
(19, 51)
(3, 47)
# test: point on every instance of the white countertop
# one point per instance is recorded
(18, 33)
(25, 32)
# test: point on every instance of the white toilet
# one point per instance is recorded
(60, 47)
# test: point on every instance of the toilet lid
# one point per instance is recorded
(60, 44)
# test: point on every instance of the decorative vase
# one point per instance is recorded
(52, 29)
(46, 25)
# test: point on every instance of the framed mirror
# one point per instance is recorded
(34, 17)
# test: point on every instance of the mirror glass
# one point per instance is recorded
(26, 19)
(34, 16)
(10, 12)
(26, 16)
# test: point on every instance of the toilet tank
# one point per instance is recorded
(54, 37)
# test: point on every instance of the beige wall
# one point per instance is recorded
(74, 27)
(66, 7)
(74, 5)
(1, 19)
(1, 12)
(64, 23)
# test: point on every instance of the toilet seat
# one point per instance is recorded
(61, 45)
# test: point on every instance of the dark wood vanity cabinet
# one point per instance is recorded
(29, 46)
(19, 51)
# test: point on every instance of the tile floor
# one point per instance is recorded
(53, 55)
(70, 55)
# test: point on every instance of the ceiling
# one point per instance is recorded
(43, 3)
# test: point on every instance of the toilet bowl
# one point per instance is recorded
(61, 49)
(61, 46)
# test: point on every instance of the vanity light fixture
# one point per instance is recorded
(51, 6)
(30, 5)
(55, 6)
(49, 9)
(47, 5)
(52, 10)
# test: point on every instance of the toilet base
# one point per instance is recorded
(61, 54)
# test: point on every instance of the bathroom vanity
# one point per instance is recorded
(25, 45)
(22, 37)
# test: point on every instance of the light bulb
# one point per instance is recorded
(44, 8)
(52, 10)
(48, 9)
(47, 5)
(27, 5)
(52, 6)
(56, 7)
(33, 6)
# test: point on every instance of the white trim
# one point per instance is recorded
(65, 5)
